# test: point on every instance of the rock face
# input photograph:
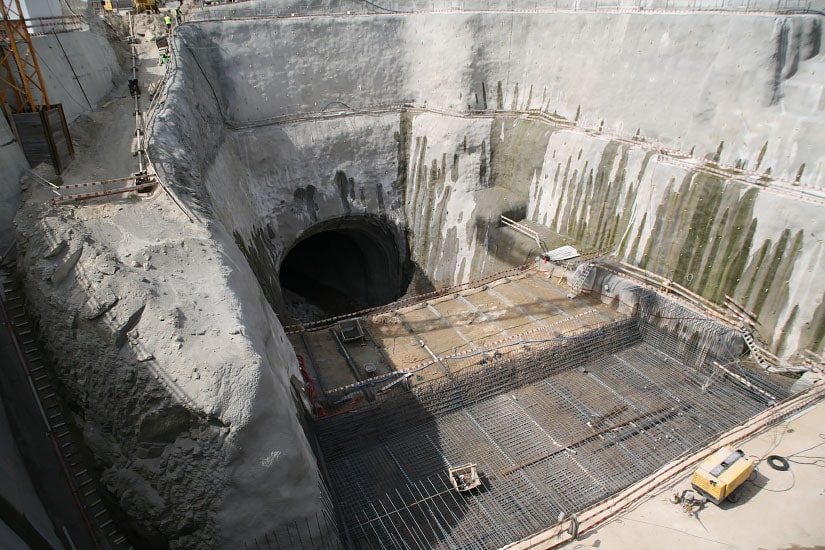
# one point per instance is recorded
(177, 369)
(709, 217)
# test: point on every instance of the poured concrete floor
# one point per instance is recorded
(778, 510)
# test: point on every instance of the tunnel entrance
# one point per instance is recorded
(343, 266)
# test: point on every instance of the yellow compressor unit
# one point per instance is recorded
(721, 474)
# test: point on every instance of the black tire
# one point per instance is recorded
(735, 495)
(779, 463)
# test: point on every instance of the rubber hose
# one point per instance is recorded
(778, 463)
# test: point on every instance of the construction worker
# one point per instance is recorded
(165, 59)
(168, 21)
(178, 15)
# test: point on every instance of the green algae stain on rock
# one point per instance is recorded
(779, 346)
(703, 235)
(517, 150)
(814, 333)
(776, 292)
(735, 262)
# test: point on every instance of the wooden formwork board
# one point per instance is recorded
(44, 136)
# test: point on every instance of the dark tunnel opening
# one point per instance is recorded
(344, 266)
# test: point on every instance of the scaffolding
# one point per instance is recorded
(553, 428)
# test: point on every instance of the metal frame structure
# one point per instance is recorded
(553, 429)
(16, 45)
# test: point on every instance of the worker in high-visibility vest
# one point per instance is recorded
(168, 21)
(178, 16)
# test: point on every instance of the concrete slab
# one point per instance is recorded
(778, 510)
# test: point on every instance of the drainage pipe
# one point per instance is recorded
(139, 133)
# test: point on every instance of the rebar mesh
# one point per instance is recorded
(317, 531)
(553, 429)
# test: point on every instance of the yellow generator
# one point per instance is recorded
(721, 474)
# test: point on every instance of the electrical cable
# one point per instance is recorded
(778, 463)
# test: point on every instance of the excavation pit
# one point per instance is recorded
(434, 126)
(557, 417)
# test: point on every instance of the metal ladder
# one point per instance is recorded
(579, 279)
(756, 351)
(80, 481)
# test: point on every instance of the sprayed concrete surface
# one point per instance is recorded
(444, 169)
(161, 311)
(178, 370)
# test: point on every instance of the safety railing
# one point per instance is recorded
(220, 9)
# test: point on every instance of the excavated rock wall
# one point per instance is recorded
(180, 374)
(445, 180)
(225, 147)
(180, 377)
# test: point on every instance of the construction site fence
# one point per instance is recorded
(213, 12)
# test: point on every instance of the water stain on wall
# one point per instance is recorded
(346, 190)
(259, 251)
(305, 197)
(702, 235)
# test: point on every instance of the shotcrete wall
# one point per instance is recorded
(686, 81)
(181, 379)
(712, 84)
(79, 69)
(204, 447)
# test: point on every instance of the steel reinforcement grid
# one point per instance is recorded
(553, 429)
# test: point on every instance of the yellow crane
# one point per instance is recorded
(19, 70)
(34, 120)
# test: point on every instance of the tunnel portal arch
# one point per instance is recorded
(344, 265)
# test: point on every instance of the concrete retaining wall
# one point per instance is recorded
(79, 69)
